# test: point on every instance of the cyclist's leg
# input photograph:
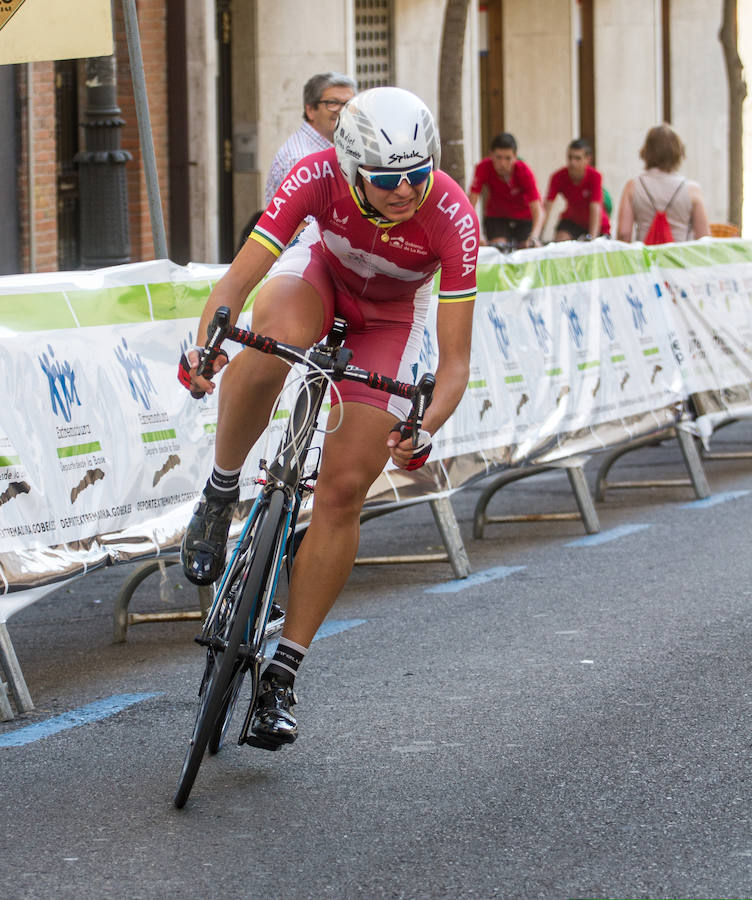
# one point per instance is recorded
(295, 305)
(353, 458)
(389, 340)
(291, 310)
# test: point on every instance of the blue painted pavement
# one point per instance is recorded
(603, 537)
(461, 584)
(100, 709)
(714, 500)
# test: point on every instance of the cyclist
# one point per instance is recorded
(388, 219)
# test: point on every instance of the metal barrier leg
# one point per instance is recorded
(579, 485)
(446, 521)
(9, 662)
(479, 517)
(123, 618)
(694, 463)
(6, 710)
(692, 460)
(577, 481)
(651, 440)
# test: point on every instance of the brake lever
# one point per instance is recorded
(216, 333)
(421, 402)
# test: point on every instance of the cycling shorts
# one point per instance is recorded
(385, 336)
(571, 227)
(508, 229)
(574, 228)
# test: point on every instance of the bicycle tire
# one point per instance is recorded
(252, 665)
(227, 709)
(218, 676)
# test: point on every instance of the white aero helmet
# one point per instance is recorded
(387, 127)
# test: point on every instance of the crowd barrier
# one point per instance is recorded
(577, 348)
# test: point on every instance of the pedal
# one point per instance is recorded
(262, 743)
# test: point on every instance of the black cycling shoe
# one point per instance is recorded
(273, 723)
(202, 552)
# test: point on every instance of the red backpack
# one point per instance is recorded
(660, 230)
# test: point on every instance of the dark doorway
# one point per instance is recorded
(492, 74)
(177, 81)
(224, 106)
(586, 73)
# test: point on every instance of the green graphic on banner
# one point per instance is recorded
(78, 450)
(110, 306)
(149, 437)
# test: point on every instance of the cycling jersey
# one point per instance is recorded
(372, 258)
(377, 274)
(579, 196)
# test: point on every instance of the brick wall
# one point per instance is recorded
(38, 181)
(152, 19)
(39, 250)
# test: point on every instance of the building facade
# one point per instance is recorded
(225, 81)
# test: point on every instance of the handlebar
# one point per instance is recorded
(333, 359)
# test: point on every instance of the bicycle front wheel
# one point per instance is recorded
(224, 643)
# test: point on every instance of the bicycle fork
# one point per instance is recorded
(261, 630)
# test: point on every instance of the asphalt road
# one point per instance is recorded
(571, 722)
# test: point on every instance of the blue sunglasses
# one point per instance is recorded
(390, 181)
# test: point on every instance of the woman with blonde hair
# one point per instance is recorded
(661, 189)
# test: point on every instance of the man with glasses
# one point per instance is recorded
(388, 219)
(324, 96)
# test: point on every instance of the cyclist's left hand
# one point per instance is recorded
(187, 374)
(401, 449)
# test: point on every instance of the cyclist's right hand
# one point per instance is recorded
(188, 375)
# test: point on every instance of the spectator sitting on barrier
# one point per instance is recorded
(582, 187)
(660, 188)
(512, 209)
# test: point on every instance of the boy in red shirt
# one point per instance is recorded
(512, 207)
(581, 186)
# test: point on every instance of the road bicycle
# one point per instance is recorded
(243, 617)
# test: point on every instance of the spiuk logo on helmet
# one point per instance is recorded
(387, 128)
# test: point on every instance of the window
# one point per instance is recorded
(373, 43)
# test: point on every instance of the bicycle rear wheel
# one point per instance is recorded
(229, 630)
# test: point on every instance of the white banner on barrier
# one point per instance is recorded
(576, 347)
